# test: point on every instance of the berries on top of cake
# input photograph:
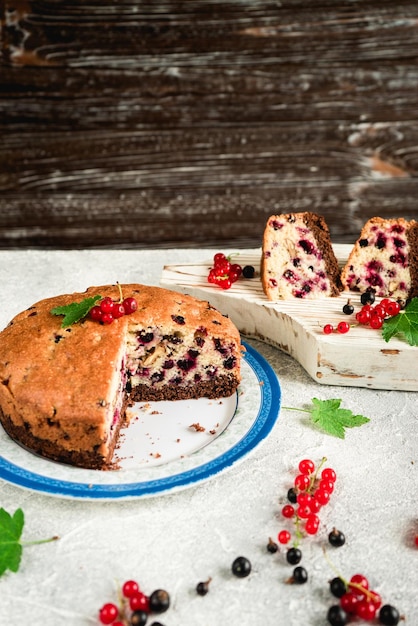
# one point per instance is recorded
(384, 259)
(64, 391)
(297, 258)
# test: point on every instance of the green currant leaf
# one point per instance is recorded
(329, 417)
(10, 546)
(405, 324)
(75, 311)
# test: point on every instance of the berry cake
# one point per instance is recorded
(65, 390)
(297, 258)
(384, 259)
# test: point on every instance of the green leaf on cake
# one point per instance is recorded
(404, 325)
(329, 417)
(11, 546)
(75, 311)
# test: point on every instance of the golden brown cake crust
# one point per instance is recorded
(55, 382)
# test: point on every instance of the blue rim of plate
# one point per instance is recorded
(262, 425)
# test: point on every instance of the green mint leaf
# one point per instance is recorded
(10, 546)
(405, 324)
(75, 311)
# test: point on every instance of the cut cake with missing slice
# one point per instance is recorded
(64, 391)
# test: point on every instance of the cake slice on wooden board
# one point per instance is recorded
(297, 258)
(64, 391)
(384, 259)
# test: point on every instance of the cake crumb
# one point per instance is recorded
(197, 427)
(155, 455)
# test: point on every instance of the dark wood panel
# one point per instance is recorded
(188, 123)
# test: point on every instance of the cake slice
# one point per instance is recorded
(384, 259)
(64, 391)
(297, 258)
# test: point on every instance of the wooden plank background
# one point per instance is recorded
(188, 123)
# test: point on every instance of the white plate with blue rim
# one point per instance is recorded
(167, 447)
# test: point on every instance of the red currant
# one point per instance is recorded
(118, 310)
(306, 466)
(363, 316)
(235, 269)
(326, 485)
(314, 505)
(376, 599)
(219, 256)
(139, 602)
(304, 499)
(303, 512)
(96, 313)
(284, 536)
(106, 305)
(288, 511)
(322, 496)
(328, 329)
(393, 308)
(312, 524)
(349, 602)
(343, 327)
(366, 610)
(376, 321)
(359, 582)
(302, 482)
(130, 305)
(108, 613)
(107, 318)
(130, 588)
(329, 474)
(379, 310)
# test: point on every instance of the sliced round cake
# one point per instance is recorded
(384, 259)
(64, 389)
(297, 258)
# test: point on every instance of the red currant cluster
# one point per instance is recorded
(311, 491)
(369, 314)
(134, 606)
(356, 599)
(108, 310)
(224, 273)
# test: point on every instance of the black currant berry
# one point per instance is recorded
(292, 495)
(337, 587)
(159, 601)
(367, 297)
(336, 615)
(248, 271)
(300, 575)
(241, 567)
(389, 615)
(336, 538)
(138, 618)
(293, 556)
(348, 308)
(272, 546)
(203, 587)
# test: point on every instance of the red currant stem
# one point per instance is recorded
(120, 293)
(367, 592)
(314, 476)
(298, 532)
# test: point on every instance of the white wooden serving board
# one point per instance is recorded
(360, 358)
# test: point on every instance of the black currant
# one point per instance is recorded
(336, 615)
(292, 495)
(248, 271)
(300, 575)
(203, 587)
(337, 587)
(241, 567)
(348, 308)
(272, 546)
(159, 601)
(138, 618)
(367, 297)
(336, 538)
(389, 615)
(293, 556)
